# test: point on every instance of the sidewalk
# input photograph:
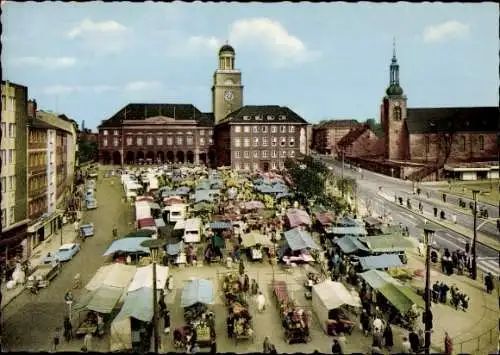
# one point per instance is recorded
(482, 238)
(49, 245)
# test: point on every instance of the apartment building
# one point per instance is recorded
(13, 151)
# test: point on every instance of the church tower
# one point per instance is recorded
(227, 90)
(394, 114)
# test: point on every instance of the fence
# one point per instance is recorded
(479, 343)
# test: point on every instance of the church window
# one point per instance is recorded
(246, 154)
(264, 129)
(129, 141)
(274, 129)
(159, 140)
(246, 129)
(427, 144)
(291, 129)
(149, 140)
(481, 142)
(246, 142)
(255, 129)
(397, 113)
(237, 129)
(462, 143)
(139, 140)
(237, 142)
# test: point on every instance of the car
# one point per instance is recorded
(91, 204)
(67, 251)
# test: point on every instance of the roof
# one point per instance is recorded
(452, 119)
(298, 239)
(387, 243)
(334, 295)
(197, 291)
(337, 124)
(380, 261)
(297, 217)
(114, 275)
(138, 304)
(127, 245)
(377, 279)
(221, 225)
(226, 48)
(350, 244)
(31, 122)
(263, 114)
(141, 111)
(325, 218)
(253, 238)
(103, 300)
(353, 135)
(347, 231)
(144, 278)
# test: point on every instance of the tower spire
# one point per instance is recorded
(394, 88)
(394, 47)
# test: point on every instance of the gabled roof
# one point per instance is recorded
(141, 111)
(452, 119)
(263, 114)
(337, 124)
(354, 134)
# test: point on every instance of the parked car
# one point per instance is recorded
(91, 204)
(67, 251)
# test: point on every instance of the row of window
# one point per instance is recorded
(37, 159)
(261, 118)
(37, 206)
(11, 219)
(12, 183)
(265, 141)
(461, 141)
(263, 129)
(37, 182)
(11, 131)
(8, 156)
(179, 140)
(37, 136)
(9, 105)
(265, 154)
(274, 165)
(201, 132)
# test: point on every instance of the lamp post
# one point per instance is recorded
(154, 246)
(473, 251)
(429, 232)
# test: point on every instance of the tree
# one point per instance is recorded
(87, 151)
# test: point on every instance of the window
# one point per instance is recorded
(264, 129)
(246, 142)
(237, 129)
(246, 154)
(264, 154)
(4, 217)
(255, 166)
(139, 141)
(270, 117)
(265, 141)
(247, 166)
(274, 141)
(481, 142)
(4, 184)
(283, 153)
(282, 129)
(170, 141)
(237, 154)
(291, 129)
(255, 153)
(246, 129)
(274, 154)
(427, 144)
(237, 142)
(149, 140)
(291, 153)
(115, 132)
(462, 143)
(11, 213)
(210, 132)
(202, 141)
(281, 165)
(291, 141)
(210, 141)
(4, 133)
(255, 129)
(189, 140)
(256, 141)
(12, 130)
(105, 132)
(273, 165)
(105, 142)
(116, 141)
(397, 113)
(179, 140)
(282, 141)
(159, 140)
(246, 118)
(4, 103)
(12, 103)
(274, 129)
(282, 118)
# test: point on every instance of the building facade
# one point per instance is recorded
(14, 169)
(327, 134)
(37, 169)
(360, 141)
(261, 138)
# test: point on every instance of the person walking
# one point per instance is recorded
(55, 340)
(266, 346)
(68, 298)
(336, 347)
(388, 337)
(68, 329)
(414, 341)
(166, 321)
(488, 283)
(448, 344)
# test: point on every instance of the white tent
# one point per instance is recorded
(120, 338)
(115, 275)
(329, 295)
(144, 278)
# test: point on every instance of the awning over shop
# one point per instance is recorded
(127, 245)
(297, 217)
(197, 291)
(114, 275)
(253, 238)
(382, 261)
(144, 277)
(103, 300)
(221, 225)
(357, 231)
(298, 240)
(387, 243)
(334, 295)
(350, 244)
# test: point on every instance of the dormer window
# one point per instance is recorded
(270, 117)
(246, 118)
(258, 118)
(282, 117)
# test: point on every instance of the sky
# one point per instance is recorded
(324, 61)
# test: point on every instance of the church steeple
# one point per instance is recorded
(394, 88)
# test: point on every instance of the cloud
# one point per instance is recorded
(68, 89)
(271, 36)
(142, 86)
(194, 45)
(445, 31)
(46, 62)
(106, 37)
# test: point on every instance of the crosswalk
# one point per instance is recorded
(489, 265)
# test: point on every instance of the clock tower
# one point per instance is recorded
(227, 90)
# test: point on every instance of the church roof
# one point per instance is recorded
(263, 114)
(453, 119)
(141, 111)
(354, 134)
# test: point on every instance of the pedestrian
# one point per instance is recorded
(246, 283)
(377, 324)
(342, 341)
(254, 288)
(195, 348)
(166, 321)
(488, 283)
(266, 346)
(414, 341)
(100, 325)
(388, 337)
(68, 329)
(261, 302)
(68, 298)
(405, 346)
(57, 336)
(230, 325)
(241, 267)
(365, 322)
(454, 218)
(336, 348)
(377, 339)
(213, 346)
(448, 344)
(161, 303)
(87, 342)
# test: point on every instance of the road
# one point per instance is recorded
(368, 189)
(30, 320)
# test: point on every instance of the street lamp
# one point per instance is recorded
(154, 246)
(473, 251)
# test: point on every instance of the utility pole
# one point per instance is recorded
(428, 234)
(342, 173)
(474, 263)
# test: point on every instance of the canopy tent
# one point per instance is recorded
(298, 240)
(114, 275)
(174, 249)
(103, 300)
(253, 238)
(297, 217)
(127, 245)
(252, 205)
(400, 296)
(221, 225)
(356, 231)
(350, 244)
(382, 261)
(144, 278)
(329, 295)
(197, 291)
(325, 218)
(387, 243)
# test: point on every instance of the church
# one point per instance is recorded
(145, 133)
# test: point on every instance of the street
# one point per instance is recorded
(30, 320)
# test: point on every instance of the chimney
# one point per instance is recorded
(32, 108)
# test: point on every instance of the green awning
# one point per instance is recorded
(218, 241)
(401, 297)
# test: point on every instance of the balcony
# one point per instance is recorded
(37, 192)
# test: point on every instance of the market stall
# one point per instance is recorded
(255, 242)
(296, 247)
(296, 217)
(242, 322)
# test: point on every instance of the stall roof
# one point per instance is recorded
(298, 239)
(372, 221)
(144, 277)
(350, 244)
(174, 249)
(102, 300)
(145, 222)
(138, 304)
(325, 218)
(115, 275)
(387, 243)
(297, 217)
(197, 291)
(401, 297)
(377, 278)
(253, 238)
(347, 222)
(347, 231)
(380, 261)
(221, 225)
(127, 245)
(335, 294)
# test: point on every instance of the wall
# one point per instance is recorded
(469, 175)
(226, 80)
(51, 171)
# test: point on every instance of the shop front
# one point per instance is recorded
(42, 230)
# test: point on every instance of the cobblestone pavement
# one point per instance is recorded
(30, 320)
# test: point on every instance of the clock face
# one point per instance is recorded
(228, 95)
